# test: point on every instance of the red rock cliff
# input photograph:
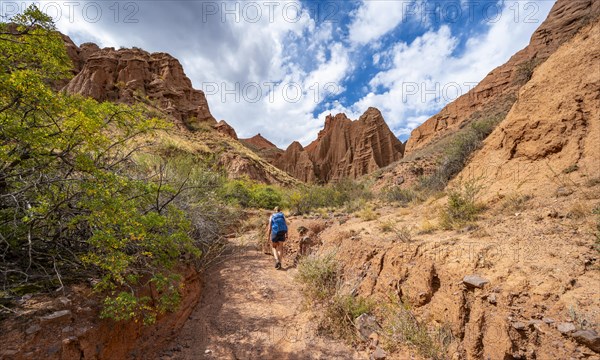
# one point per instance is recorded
(129, 75)
(344, 149)
(503, 83)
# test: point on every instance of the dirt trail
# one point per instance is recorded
(250, 310)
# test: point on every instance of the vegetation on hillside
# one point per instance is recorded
(74, 204)
(306, 198)
(86, 193)
(457, 153)
(321, 278)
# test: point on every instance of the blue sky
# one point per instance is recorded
(279, 67)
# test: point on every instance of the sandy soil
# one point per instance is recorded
(250, 310)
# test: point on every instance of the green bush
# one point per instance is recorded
(319, 276)
(457, 153)
(73, 202)
(266, 197)
(310, 197)
(237, 192)
(461, 207)
(248, 193)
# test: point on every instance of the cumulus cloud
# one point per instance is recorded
(374, 19)
(427, 73)
(278, 69)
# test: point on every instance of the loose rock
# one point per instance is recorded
(588, 338)
(33, 329)
(565, 328)
(378, 354)
(518, 326)
(475, 281)
(366, 325)
(57, 316)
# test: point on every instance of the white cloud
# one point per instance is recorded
(374, 19)
(287, 51)
(427, 74)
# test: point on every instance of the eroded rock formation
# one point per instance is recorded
(130, 75)
(263, 147)
(224, 128)
(498, 90)
(296, 161)
(344, 149)
(553, 127)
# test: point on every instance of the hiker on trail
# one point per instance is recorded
(277, 233)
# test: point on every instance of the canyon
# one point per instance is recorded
(519, 282)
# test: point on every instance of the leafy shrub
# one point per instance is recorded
(461, 208)
(247, 193)
(457, 152)
(73, 202)
(237, 192)
(265, 197)
(319, 276)
(311, 197)
(400, 195)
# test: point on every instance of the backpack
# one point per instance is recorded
(278, 223)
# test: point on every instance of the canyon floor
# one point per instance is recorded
(250, 310)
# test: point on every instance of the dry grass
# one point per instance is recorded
(426, 227)
(387, 226)
(321, 279)
(579, 210)
(401, 327)
(515, 202)
(404, 211)
(253, 223)
(368, 214)
(403, 234)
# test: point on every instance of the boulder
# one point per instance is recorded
(566, 327)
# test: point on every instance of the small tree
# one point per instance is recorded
(72, 204)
